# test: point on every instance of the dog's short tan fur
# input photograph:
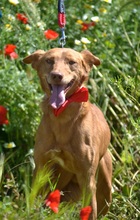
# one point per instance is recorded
(77, 140)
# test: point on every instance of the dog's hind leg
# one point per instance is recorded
(104, 184)
(72, 192)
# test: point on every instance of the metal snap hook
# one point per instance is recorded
(62, 40)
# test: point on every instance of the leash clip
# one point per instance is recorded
(62, 22)
(62, 40)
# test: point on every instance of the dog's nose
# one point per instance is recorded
(56, 76)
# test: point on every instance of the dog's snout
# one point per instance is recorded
(56, 76)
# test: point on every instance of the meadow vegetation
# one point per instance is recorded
(109, 29)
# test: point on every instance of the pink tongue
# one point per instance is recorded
(57, 97)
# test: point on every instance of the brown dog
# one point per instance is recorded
(73, 133)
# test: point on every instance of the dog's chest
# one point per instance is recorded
(63, 158)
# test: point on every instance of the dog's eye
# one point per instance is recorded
(72, 62)
(49, 61)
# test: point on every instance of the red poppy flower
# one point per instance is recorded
(53, 200)
(9, 48)
(85, 26)
(85, 212)
(50, 34)
(3, 115)
(22, 18)
(13, 55)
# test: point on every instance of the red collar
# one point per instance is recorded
(81, 95)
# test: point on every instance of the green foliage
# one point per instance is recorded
(114, 87)
(19, 95)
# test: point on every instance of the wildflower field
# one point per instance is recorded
(111, 30)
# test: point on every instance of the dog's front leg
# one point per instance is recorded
(93, 215)
(92, 191)
(88, 188)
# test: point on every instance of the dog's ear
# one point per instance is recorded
(34, 58)
(90, 59)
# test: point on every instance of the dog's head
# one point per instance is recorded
(61, 71)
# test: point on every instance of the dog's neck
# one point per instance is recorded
(81, 95)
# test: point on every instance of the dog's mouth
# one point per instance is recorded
(58, 93)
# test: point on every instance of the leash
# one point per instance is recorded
(62, 22)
